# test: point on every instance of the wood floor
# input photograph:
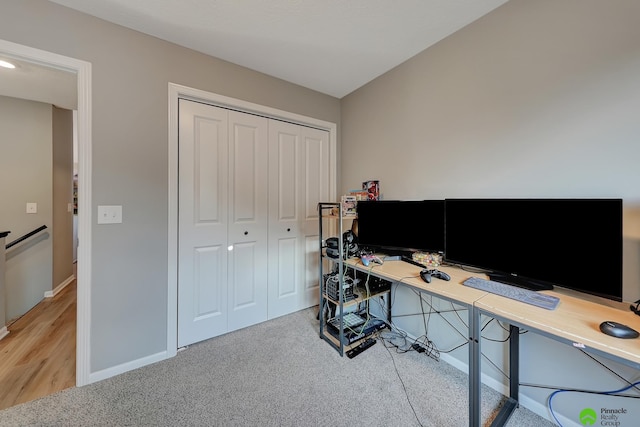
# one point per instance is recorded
(38, 357)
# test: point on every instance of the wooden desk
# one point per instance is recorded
(575, 322)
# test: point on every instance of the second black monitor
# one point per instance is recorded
(394, 226)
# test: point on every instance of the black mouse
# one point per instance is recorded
(618, 330)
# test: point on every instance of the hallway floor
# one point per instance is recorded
(38, 357)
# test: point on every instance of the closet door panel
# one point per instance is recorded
(315, 145)
(285, 213)
(248, 220)
(287, 279)
(202, 222)
(208, 285)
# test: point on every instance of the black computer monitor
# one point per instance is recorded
(539, 243)
(401, 226)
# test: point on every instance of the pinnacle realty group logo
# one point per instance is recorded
(606, 417)
(588, 417)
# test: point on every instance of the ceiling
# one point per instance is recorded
(39, 83)
(331, 46)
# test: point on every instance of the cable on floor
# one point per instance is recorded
(406, 393)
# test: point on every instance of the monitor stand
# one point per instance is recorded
(521, 282)
(398, 253)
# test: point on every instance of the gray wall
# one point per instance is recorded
(536, 99)
(130, 74)
(62, 181)
(25, 176)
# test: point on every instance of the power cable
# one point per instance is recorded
(406, 393)
(608, 393)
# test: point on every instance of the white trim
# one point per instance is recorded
(178, 91)
(82, 69)
(60, 287)
(126, 367)
(172, 264)
(484, 378)
(3, 332)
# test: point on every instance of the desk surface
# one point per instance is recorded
(575, 320)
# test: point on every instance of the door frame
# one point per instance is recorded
(177, 91)
(82, 70)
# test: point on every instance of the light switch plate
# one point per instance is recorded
(109, 214)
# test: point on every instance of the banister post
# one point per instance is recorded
(3, 292)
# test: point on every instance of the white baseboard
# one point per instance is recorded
(484, 378)
(125, 367)
(458, 364)
(60, 287)
(3, 332)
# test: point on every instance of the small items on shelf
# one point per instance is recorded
(349, 204)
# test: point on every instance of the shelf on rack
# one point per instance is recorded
(352, 339)
(360, 291)
(345, 340)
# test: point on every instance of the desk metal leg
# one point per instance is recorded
(514, 362)
(474, 367)
(514, 378)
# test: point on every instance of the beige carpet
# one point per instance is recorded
(278, 373)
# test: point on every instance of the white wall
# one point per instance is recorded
(537, 99)
(25, 176)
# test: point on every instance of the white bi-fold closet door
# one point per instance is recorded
(247, 227)
(298, 180)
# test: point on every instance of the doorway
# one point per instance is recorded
(82, 71)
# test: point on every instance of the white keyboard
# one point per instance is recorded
(545, 301)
